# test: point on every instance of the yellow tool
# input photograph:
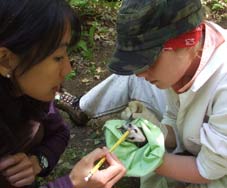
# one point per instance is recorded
(102, 160)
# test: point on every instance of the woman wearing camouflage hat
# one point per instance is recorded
(168, 44)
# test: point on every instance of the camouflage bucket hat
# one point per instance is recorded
(143, 26)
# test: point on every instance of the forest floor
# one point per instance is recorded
(88, 74)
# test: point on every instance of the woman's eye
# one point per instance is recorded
(59, 59)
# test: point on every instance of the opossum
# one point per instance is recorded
(136, 135)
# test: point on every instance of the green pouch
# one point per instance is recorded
(139, 161)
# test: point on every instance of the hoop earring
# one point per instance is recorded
(8, 75)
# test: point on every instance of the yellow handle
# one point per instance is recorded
(102, 160)
(123, 137)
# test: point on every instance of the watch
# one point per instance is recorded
(43, 162)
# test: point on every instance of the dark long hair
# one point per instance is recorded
(32, 29)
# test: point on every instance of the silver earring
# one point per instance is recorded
(8, 75)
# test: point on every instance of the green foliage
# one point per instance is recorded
(90, 11)
(92, 68)
(86, 44)
(71, 75)
(216, 10)
(85, 51)
(216, 5)
(81, 3)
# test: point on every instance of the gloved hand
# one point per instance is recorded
(136, 109)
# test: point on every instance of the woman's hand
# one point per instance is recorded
(104, 178)
(19, 169)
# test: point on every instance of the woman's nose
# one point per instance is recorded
(67, 67)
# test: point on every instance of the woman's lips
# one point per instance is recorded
(56, 88)
(153, 81)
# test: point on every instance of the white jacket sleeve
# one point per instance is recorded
(212, 159)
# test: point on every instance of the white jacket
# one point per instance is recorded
(199, 117)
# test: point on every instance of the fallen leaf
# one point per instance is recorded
(99, 70)
(85, 80)
(97, 77)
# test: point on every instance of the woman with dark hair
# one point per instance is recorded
(34, 36)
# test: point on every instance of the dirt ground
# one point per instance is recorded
(85, 139)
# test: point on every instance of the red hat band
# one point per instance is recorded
(185, 40)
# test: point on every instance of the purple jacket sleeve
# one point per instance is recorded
(56, 137)
(62, 182)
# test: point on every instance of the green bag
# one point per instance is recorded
(139, 161)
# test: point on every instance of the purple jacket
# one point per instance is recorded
(50, 137)
(55, 140)
(57, 145)
(62, 182)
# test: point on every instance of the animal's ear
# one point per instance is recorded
(130, 125)
(8, 61)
